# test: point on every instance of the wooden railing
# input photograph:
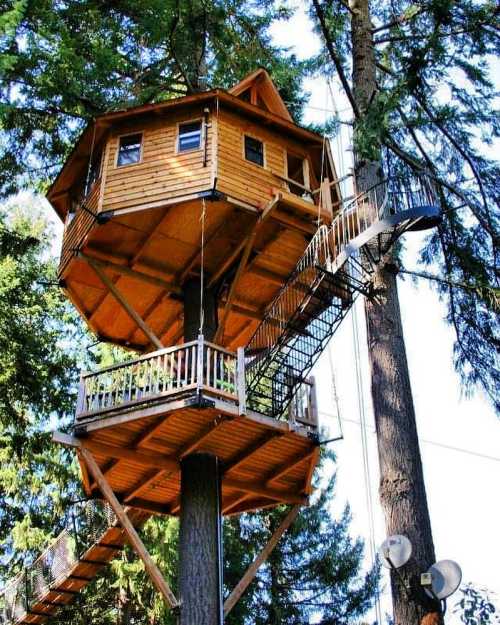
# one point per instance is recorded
(77, 229)
(197, 365)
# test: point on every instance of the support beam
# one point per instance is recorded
(125, 270)
(148, 459)
(250, 240)
(186, 449)
(126, 305)
(200, 544)
(135, 540)
(249, 575)
(263, 491)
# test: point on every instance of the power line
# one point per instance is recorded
(428, 441)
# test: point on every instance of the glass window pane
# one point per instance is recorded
(130, 149)
(254, 151)
(189, 136)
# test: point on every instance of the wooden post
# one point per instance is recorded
(240, 381)
(135, 540)
(250, 573)
(126, 305)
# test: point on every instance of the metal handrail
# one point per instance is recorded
(85, 526)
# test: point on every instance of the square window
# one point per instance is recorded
(254, 151)
(129, 151)
(189, 136)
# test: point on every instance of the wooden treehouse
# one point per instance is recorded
(208, 234)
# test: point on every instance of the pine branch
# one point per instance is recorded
(335, 59)
(400, 20)
(493, 293)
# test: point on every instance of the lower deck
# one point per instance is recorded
(264, 461)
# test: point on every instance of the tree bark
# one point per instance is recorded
(402, 489)
(200, 544)
(200, 576)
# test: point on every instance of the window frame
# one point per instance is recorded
(255, 138)
(185, 122)
(141, 149)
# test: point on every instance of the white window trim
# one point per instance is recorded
(202, 135)
(141, 151)
(252, 136)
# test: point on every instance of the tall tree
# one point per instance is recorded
(38, 369)
(416, 76)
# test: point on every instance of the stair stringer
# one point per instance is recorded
(272, 377)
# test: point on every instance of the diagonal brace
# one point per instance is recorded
(135, 540)
(250, 573)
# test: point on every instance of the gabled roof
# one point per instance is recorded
(258, 89)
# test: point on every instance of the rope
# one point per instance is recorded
(202, 271)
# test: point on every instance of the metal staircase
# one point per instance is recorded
(336, 267)
(92, 538)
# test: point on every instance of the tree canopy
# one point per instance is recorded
(62, 63)
(436, 110)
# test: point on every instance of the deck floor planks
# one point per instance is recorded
(228, 441)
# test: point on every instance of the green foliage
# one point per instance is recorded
(435, 109)
(37, 372)
(313, 572)
(475, 607)
(61, 63)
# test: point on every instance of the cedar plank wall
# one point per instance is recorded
(162, 174)
(240, 178)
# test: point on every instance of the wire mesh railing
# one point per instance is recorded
(86, 523)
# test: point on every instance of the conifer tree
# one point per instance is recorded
(37, 375)
(418, 81)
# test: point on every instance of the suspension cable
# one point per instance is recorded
(364, 445)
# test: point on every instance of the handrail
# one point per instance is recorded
(82, 531)
(133, 361)
(197, 365)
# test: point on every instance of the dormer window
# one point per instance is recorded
(129, 150)
(254, 150)
(189, 136)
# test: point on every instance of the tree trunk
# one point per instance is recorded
(402, 489)
(200, 578)
(200, 544)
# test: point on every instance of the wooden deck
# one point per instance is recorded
(142, 418)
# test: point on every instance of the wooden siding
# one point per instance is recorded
(242, 179)
(162, 173)
(78, 228)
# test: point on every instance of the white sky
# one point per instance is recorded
(462, 488)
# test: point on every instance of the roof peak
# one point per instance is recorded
(258, 89)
